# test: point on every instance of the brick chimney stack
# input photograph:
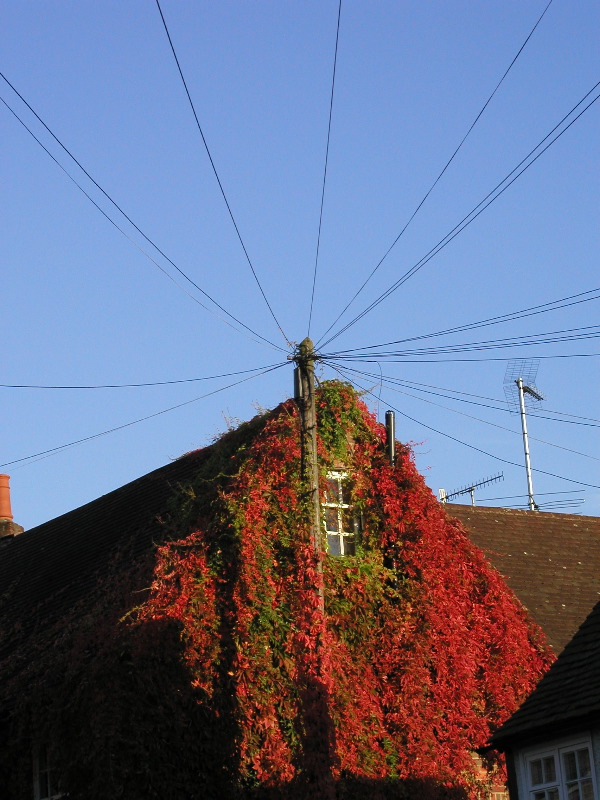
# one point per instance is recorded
(7, 526)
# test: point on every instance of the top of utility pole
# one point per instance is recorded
(305, 397)
(306, 349)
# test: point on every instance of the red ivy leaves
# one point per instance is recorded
(424, 650)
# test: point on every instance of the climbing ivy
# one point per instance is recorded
(223, 678)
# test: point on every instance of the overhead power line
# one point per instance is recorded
(549, 337)
(54, 450)
(520, 496)
(125, 215)
(549, 508)
(557, 131)
(214, 169)
(343, 372)
(447, 164)
(134, 385)
(543, 308)
(557, 505)
(484, 421)
(337, 38)
(453, 360)
(588, 422)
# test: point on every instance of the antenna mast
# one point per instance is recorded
(523, 372)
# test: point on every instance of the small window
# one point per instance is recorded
(577, 774)
(542, 775)
(44, 778)
(563, 773)
(339, 516)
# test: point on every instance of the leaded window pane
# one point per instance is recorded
(573, 791)
(570, 766)
(346, 493)
(349, 546)
(587, 790)
(347, 520)
(583, 763)
(545, 794)
(334, 545)
(332, 491)
(549, 769)
(537, 776)
(331, 519)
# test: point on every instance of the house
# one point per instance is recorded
(167, 640)
(550, 561)
(553, 741)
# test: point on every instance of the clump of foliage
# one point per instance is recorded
(227, 680)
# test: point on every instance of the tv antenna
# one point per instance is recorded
(445, 496)
(519, 381)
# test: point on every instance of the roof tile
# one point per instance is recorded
(568, 694)
(551, 561)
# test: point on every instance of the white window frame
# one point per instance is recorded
(557, 788)
(347, 538)
(42, 775)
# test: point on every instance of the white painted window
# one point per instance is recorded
(44, 778)
(561, 773)
(340, 519)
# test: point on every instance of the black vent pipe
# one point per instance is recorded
(390, 427)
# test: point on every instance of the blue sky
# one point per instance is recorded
(84, 306)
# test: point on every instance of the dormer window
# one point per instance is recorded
(339, 516)
(561, 772)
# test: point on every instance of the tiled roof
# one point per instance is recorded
(46, 571)
(550, 561)
(569, 693)
(60, 559)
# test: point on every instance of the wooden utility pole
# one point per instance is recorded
(305, 395)
(317, 747)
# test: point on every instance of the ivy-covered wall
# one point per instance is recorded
(207, 669)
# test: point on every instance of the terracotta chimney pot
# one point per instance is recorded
(5, 510)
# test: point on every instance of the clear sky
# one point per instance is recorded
(83, 305)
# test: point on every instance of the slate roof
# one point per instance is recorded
(550, 561)
(568, 695)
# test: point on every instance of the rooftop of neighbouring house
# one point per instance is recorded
(551, 561)
(61, 558)
(567, 697)
(47, 570)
